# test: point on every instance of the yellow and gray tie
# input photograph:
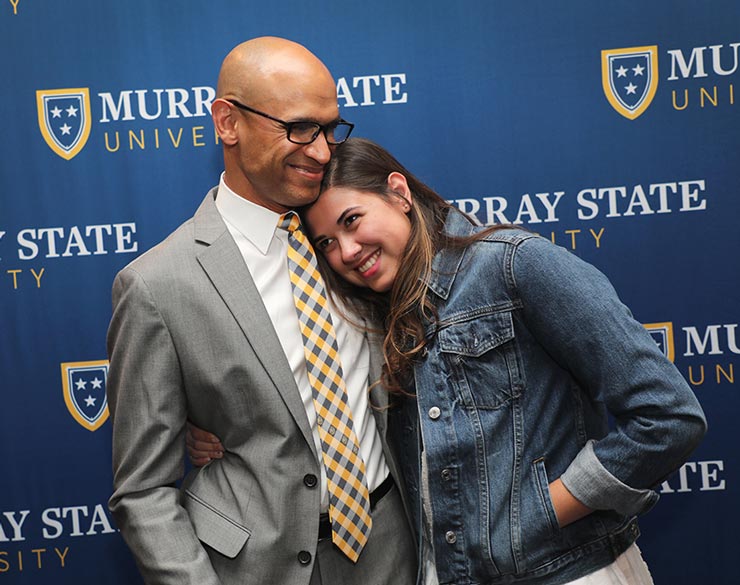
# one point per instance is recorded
(349, 500)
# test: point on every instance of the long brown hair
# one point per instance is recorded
(363, 165)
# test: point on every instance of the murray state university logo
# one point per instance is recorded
(64, 119)
(662, 334)
(630, 78)
(84, 392)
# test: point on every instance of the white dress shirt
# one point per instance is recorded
(265, 251)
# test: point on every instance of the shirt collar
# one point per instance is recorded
(254, 222)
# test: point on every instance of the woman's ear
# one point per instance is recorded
(398, 184)
(224, 121)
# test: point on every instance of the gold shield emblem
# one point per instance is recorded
(630, 78)
(64, 119)
(83, 384)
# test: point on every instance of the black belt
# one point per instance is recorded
(375, 497)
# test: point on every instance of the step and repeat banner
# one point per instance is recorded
(613, 129)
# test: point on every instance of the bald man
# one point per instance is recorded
(204, 329)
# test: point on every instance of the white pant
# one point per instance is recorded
(627, 569)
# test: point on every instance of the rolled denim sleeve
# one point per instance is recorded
(574, 313)
(592, 485)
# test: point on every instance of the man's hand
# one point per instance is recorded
(202, 446)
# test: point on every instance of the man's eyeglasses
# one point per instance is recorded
(304, 132)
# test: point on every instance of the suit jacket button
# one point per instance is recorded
(310, 480)
(304, 557)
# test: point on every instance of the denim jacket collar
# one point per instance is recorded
(446, 263)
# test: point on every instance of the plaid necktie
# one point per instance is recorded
(349, 500)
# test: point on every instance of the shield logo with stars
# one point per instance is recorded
(64, 119)
(84, 392)
(662, 334)
(630, 78)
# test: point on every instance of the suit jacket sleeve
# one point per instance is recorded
(148, 407)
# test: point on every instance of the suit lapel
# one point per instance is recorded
(222, 261)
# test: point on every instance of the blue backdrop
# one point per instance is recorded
(611, 128)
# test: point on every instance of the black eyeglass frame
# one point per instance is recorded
(289, 125)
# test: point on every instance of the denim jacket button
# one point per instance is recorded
(446, 474)
(434, 412)
(451, 537)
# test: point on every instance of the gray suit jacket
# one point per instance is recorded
(190, 339)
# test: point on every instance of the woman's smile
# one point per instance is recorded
(369, 263)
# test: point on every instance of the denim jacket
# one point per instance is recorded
(534, 370)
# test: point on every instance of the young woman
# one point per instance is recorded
(533, 414)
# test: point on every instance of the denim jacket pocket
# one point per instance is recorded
(543, 490)
(481, 355)
(538, 537)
